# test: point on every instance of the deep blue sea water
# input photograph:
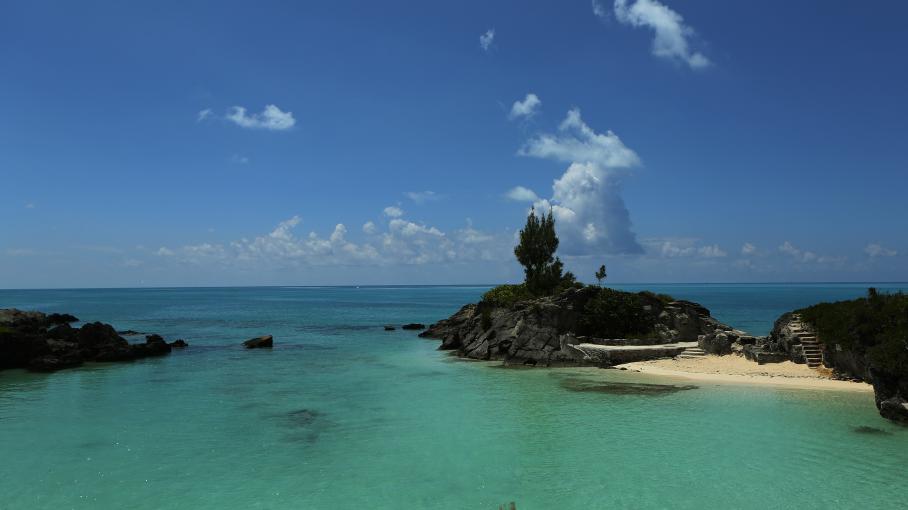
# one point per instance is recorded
(341, 414)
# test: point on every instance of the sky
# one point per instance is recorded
(358, 143)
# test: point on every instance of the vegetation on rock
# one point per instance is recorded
(875, 326)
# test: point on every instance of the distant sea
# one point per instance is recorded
(342, 414)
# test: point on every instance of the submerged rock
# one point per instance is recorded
(260, 342)
(622, 388)
(413, 326)
(390, 328)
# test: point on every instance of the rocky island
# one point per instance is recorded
(552, 320)
(47, 342)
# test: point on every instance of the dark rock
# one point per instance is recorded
(544, 329)
(154, 338)
(716, 343)
(61, 318)
(260, 342)
(54, 362)
(414, 326)
(179, 343)
(390, 328)
(620, 388)
(63, 332)
(129, 332)
(871, 431)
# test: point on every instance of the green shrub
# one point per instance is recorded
(876, 326)
(485, 320)
(507, 295)
(665, 298)
(616, 314)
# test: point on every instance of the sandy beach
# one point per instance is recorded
(737, 370)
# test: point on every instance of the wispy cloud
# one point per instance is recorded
(204, 114)
(402, 242)
(486, 39)
(877, 250)
(797, 253)
(392, 211)
(271, 118)
(421, 197)
(237, 159)
(672, 35)
(526, 108)
(521, 194)
(599, 10)
(748, 249)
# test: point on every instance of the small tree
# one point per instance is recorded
(536, 253)
(600, 274)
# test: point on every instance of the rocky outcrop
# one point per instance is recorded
(544, 331)
(413, 326)
(46, 343)
(261, 342)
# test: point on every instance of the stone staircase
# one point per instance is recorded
(692, 353)
(813, 353)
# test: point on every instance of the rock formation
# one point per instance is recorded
(547, 331)
(260, 342)
(45, 343)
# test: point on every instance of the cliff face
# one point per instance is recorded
(543, 331)
(890, 389)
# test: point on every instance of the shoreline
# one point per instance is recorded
(731, 369)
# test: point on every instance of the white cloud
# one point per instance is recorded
(204, 114)
(486, 39)
(877, 250)
(393, 211)
(164, 252)
(599, 9)
(796, 253)
(405, 242)
(590, 213)
(577, 142)
(748, 249)
(237, 159)
(526, 108)
(271, 118)
(521, 194)
(672, 35)
(421, 197)
(712, 251)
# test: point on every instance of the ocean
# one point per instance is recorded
(342, 414)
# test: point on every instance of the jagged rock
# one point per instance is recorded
(413, 326)
(179, 343)
(716, 343)
(47, 343)
(544, 330)
(260, 342)
(54, 362)
(61, 318)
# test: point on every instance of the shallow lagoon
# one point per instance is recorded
(341, 414)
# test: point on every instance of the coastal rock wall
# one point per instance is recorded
(543, 331)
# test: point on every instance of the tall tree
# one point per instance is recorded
(600, 274)
(536, 253)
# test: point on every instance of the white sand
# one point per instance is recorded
(738, 370)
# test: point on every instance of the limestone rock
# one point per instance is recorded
(261, 342)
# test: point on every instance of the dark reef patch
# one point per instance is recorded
(620, 388)
(870, 431)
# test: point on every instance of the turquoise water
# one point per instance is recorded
(341, 414)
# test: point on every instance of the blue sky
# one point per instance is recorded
(223, 143)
